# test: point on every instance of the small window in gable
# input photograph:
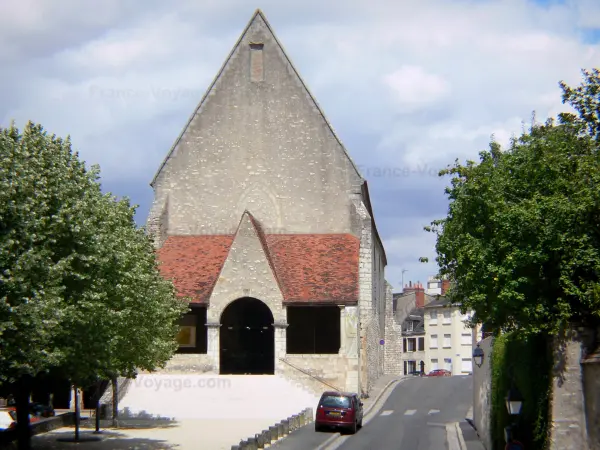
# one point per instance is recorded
(256, 62)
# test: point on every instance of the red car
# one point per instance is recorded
(439, 373)
(339, 410)
(8, 418)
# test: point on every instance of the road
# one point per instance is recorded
(413, 417)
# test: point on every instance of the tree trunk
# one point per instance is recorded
(77, 413)
(98, 395)
(115, 402)
(22, 403)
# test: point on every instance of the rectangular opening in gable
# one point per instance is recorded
(256, 62)
(313, 330)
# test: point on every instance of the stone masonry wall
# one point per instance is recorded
(568, 426)
(393, 338)
(591, 373)
(367, 356)
(262, 146)
(331, 369)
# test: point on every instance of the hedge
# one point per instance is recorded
(528, 362)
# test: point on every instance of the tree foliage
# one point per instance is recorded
(521, 239)
(80, 290)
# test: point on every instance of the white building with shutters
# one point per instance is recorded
(448, 340)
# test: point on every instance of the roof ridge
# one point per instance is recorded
(265, 246)
(257, 13)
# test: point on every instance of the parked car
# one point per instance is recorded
(8, 418)
(41, 410)
(340, 410)
(439, 373)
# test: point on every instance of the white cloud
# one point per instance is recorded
(414, 88)
(413, 84)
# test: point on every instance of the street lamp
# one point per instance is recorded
(514, 401)
(478, 356)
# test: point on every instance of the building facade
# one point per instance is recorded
(263, 221)
(448, 340)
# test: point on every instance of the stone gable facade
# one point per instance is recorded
(258, 198)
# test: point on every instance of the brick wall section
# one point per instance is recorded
(393, 338)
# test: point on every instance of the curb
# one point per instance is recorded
(277, 432)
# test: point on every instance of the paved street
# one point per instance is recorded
(413, 417)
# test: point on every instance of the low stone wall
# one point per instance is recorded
(276, 432)
(46, 425)
(332, 369)
(482, 389)
(197, 363)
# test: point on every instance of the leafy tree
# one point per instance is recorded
(521, 240)
(81, 292)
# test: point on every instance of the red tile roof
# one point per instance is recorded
(193, 263)
(316, 267)
(310, 268)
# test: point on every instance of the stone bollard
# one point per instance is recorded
(286, 426)
(296, 422)
(280, 430)
(301, 419)
(235, 447)
(309, 413)
(252, 444)
(260, 440)
(243, 445)
(292, 421)
(274, 433)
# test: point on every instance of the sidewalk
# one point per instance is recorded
(469, 434)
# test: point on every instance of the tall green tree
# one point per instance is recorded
(80, 289)
(521, 239)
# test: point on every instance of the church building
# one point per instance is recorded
(261, 218)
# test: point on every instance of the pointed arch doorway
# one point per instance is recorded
(247, 338)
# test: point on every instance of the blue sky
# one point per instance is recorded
(408, 86)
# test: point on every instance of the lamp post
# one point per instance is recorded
(478, 356)
(514, 404)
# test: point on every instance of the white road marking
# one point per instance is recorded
(433, 411)
(410, 412)
(386, 413)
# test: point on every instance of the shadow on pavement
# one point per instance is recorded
(111, 440)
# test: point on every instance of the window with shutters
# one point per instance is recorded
(447, 317)
(466, 339)
(447, 341)
(433, 343)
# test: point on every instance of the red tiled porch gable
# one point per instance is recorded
(310, 268)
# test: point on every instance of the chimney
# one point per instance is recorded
(419, 291)
(445, 286)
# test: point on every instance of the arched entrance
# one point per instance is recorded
(247, 338)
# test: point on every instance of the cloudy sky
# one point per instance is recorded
(408, 85)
